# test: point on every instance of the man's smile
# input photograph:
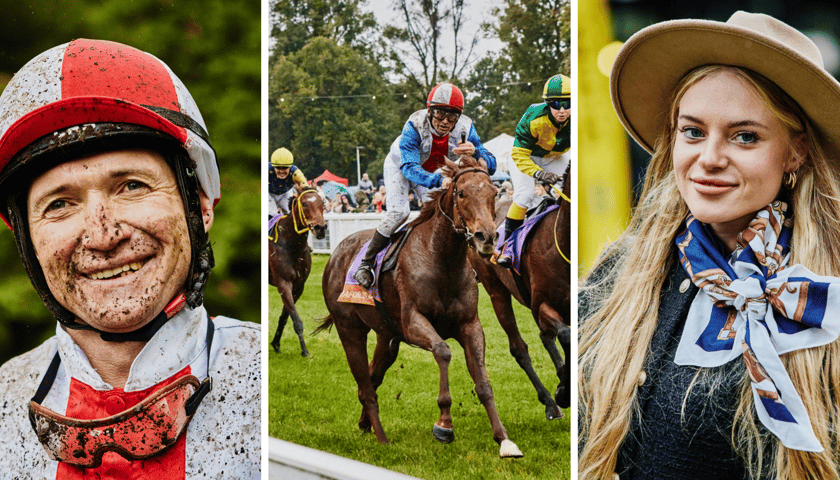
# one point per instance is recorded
(126, 269)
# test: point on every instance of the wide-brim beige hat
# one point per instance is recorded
(651, 63)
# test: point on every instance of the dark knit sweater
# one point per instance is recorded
(667, 442)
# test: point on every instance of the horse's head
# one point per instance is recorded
(474, 198)
(312, 208)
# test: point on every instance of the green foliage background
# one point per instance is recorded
(213, 46)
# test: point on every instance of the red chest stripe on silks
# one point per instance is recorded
(86, 403)
(438, 155)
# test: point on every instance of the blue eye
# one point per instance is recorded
(691, 133)
(746, 137)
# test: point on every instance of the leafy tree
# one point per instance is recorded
(296, 22)
(322, 99)
(537, 34)
(537, 47)
(419, 50)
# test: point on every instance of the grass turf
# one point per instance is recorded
(313, 402)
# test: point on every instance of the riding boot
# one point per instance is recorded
(510, 225)
(364, 275)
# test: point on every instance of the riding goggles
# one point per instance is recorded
(441, 115)
(140, 432)
(565, 103)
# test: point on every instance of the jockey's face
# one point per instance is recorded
(282, 172)
(561, 110)
(443, 120)
(111, 236)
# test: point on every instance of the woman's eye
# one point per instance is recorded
(746, 137)
(692, 133)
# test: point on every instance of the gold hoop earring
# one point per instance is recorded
(789, 180)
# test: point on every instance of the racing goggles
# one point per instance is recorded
(557, 104)
(138, 433)
(448, 115)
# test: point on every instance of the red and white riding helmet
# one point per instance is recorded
(95, 95)
(97, 81)
(446, 95)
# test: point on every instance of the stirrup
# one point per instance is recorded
(365, 276)
(504, 261)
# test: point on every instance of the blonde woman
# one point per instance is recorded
(708, 339)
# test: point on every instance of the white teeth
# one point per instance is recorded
(129, 267)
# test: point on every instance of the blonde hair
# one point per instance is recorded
(615, 338)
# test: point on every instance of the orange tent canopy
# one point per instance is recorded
(331, 177)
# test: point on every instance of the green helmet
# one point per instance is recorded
(282, 157)
(558, 86)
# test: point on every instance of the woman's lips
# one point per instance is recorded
(712, 186)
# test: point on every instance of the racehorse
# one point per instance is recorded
(429, 296)
(545, 274)
(289, 258)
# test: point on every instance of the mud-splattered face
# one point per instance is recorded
(110, 234)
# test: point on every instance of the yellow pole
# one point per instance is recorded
(603, 154)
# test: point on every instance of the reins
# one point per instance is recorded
(463, 230)
(305, 223)
(556, 219)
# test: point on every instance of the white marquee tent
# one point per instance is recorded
(501, 147)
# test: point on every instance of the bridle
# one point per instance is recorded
(304, 223)
(463, 229)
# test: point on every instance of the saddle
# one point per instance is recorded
(389, 261)
(545, 202)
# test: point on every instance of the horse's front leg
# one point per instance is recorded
(471, 337)
(418, 331)
(552, 328)
(285, 289)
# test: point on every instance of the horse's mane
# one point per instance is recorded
(451, 169)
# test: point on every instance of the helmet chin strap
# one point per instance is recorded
(142, 334)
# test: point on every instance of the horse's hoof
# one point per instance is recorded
(510, 450)
(554, 413)
(444, 435)
(276, 348)
(304, 353)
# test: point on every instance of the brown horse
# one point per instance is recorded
(289, 258)
(430, 295)
(546, 275)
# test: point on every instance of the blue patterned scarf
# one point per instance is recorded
(731, 310)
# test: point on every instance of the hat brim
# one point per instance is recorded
(652, 62)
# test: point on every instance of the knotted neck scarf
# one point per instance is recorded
(756, 305)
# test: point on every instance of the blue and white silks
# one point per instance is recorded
(731, 310)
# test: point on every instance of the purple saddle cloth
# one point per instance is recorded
(513, 248)
(355, 293)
